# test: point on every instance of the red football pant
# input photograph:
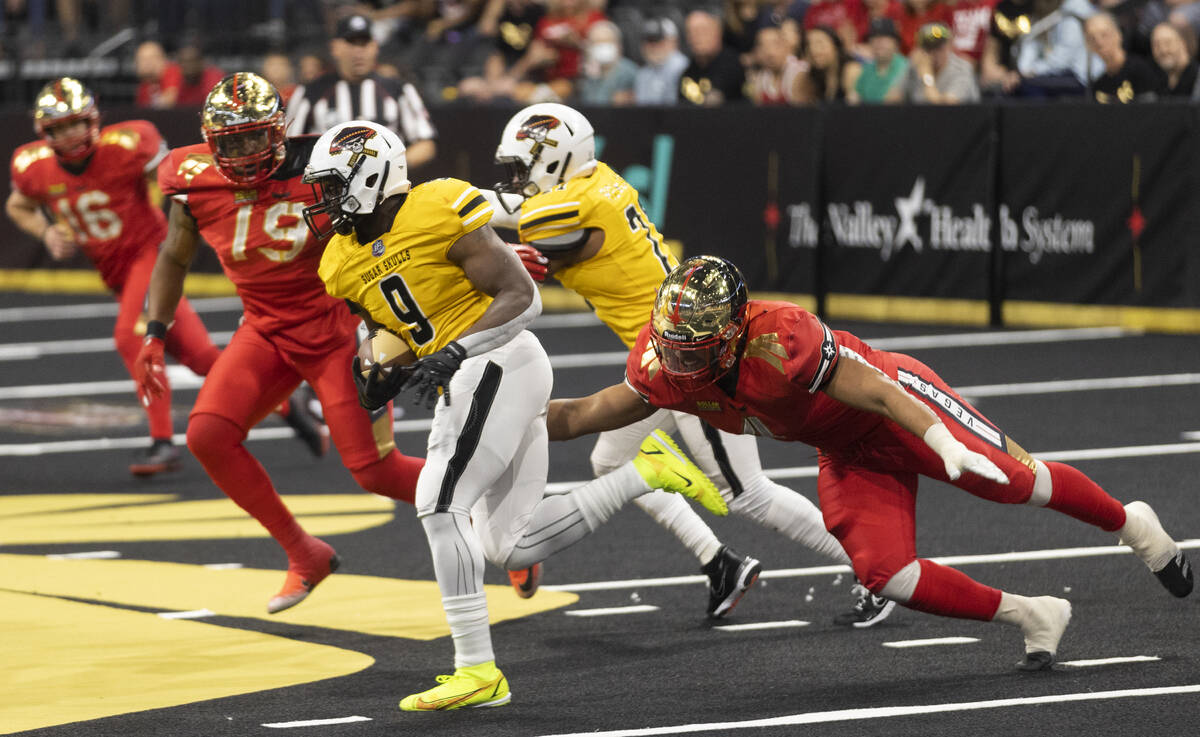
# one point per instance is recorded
(868, 498)
(187, 340)
(251, 377)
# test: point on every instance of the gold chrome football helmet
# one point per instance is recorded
(698, 317)
(242, 122)
(60, 104)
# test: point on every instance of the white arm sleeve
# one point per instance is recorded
(502, 218)
(486, 340)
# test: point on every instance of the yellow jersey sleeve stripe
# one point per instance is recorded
(546, 208)
(478, 214)
(552, 218)
(465, 194)
(479, 200)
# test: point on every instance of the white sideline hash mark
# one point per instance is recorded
(606, 611)
(762, 625)
(1110, 661)
(932, 641)
(89, 555)
(316, 722)
(882, 712)
(192, 614)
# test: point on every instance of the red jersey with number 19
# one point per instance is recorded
(258, 233)
(107, 204)
(787, 357)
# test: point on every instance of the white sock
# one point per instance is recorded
(600, 498)
(785, 511)
(674, 513)
(1042, 619)
(468, 620)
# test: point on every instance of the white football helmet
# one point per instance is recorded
(353, 167)
(542, 146)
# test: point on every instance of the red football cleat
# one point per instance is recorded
(525, 582)
(303, 577)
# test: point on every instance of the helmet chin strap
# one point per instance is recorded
(387, 165)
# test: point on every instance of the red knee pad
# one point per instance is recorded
(211, 437)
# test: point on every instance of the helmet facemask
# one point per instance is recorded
(698, 320)
(331, 190)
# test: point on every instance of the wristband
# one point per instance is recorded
(156, 329)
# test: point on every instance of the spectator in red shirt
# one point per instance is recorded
(970, 21)
(552, 61)
(916, 14)
(149, 63)
(188, 81)
(848, 19)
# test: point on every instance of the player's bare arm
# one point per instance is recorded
(866, 388)
(612, 407)
(494, 269)
(26, 213)
(174, 261)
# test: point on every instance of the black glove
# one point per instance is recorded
(379, 385)
(433, 372)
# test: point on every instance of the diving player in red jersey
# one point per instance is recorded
(879, 421)
(83, 186)
(241, 191)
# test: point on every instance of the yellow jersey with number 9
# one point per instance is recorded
(404, 279)
(620, 281)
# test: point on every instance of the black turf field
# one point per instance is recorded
(657, 672)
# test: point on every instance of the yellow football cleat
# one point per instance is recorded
(469, 688)
(664, 466)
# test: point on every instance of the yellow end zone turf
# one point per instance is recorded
(68, 662)
(37, 519)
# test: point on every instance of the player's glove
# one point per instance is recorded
(433, 372)
(150, 367)
(959, 458)
(379, 385)
(534, 262)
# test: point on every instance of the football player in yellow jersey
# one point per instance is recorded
(424, 263)
(590, 232)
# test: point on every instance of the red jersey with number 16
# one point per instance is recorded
(258, 233)
(788, 356)
(107, 204)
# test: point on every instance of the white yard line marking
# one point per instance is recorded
(316, 722)
(1005, 337)
(193, 614)
(1078, 385)
(222, 566)
(89, 555)
(883, 712)
(931, 641)
(105, 309)
(949, 560)
(783, 623)
(1109, 661)
(607, 611)
(28, 351)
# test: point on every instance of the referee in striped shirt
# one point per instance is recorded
(355, 92)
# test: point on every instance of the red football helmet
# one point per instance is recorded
(59, 106)
(699, 316)
(243, 124)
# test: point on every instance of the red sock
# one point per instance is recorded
(158, 413)
(1075, 495)
(393, 476)
(951, 593)
(217, 443)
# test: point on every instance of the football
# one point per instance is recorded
(385, 348)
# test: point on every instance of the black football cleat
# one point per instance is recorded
(1176, 575)
(868, 610)
(729, 577)
(161, 457)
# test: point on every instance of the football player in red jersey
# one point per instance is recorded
(879, 421)
(241, 191)
(83, 186)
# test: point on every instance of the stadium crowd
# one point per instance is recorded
(621, 52)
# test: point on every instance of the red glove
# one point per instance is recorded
(150, 369)
(534, 262)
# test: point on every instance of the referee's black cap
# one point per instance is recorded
(354, 28)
